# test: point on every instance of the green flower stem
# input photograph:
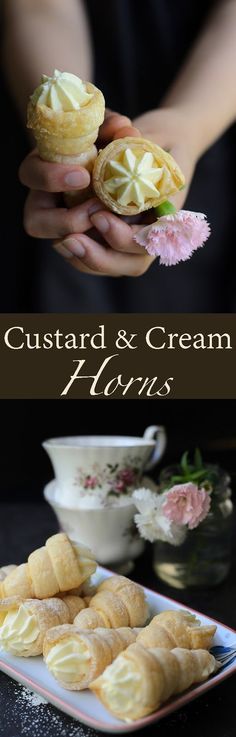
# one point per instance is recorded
(166, 208)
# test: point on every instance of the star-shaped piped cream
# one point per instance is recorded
(62, 92)
(134, 179)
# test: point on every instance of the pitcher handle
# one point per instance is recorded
(158, 433)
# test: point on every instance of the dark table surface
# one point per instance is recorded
(24, 527)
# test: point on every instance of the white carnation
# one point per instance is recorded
(145, 500)
(151, 521)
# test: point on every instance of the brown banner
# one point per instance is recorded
(129, 356)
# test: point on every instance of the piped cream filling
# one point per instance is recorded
(69, 660)
(19, 630)
(86, 560)
(122, 686)
(133, 178)
(62, 92)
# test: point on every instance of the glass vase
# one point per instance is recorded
(203, 559)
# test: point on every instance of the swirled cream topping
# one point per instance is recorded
(86, 560)
(62, 92)
(121, 685)
(133, 177)
(69, 660)
(19, 630)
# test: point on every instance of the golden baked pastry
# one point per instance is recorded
(24, 622)
(5, 570)
(87, 590)
(58, 566)
(64, 114)
(76, 657)
(119, 602)
(140, 680)
(176, 629)
(131, 175)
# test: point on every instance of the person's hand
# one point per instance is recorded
(108, 250)
(169, 129)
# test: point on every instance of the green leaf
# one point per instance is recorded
(195, 475)
(176, 480)
(198, 459)
(184, 463)
(166, 208)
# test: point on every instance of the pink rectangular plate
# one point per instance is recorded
(84, 706)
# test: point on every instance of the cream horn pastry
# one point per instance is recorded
(59, 566)
(65, 114)
(172, 629)
(131, 175)
(87, 590)
(5, 570)
(76, 657)
(140, 680)
(25, 622)
(119, 602)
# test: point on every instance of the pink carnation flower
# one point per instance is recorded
(186, 504)
(174, 238)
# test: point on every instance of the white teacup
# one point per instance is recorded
(109, 532)
(102, 465)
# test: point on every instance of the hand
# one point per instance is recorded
(114, 252)
(169, 129)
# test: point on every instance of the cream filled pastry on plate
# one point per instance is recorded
(131, 175)
(118, 602)
(76, 657)
(87, 590)
(65, 114)
(140, 680)
(171, 629)
(60, 565)
(24, 622)
(5, 570)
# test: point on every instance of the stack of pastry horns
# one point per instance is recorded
(98, 638)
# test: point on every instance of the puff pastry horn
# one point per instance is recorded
(131, 175)
(119, 602)
(76, 657)
(24, 622)
(87, 590)
(66, 133)
(177, 629)
(140, 680)
(58, 566)
(5, 570)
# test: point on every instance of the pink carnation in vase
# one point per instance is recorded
(186, 504)
(174, 238)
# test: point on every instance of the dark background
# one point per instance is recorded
(25, 468)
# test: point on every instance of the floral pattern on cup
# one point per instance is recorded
(119, 479)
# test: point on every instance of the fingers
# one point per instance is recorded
(42, 219)
(89, 256)
(48, 177)
(116, 126)
(117, 233)
(127, 131)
